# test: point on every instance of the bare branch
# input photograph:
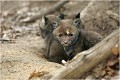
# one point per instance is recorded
(48, 11)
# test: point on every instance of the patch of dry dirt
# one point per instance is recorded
(20, 59)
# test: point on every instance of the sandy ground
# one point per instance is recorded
(23, 57)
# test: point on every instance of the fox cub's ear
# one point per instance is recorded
(61, 16)
(78, 15)
(45, 20)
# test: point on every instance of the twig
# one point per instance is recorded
(48, 11)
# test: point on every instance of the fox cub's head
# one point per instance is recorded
(67, 30)
(48, 24)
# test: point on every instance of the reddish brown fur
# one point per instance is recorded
(64, 26)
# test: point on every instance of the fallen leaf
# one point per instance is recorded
(112, 62)
(37, 74)
(32, 75)
(115, 50)
(110, 71)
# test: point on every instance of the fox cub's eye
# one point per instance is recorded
(60, 35)
(54, 24)
(77, 22)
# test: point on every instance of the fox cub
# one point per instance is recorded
(65, 37)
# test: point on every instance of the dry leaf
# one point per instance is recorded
(37, 74)
(110, 71)
(112, 62)
(32, 75)
(115, 50)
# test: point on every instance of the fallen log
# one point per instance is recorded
(86, 60)
(48, 11)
